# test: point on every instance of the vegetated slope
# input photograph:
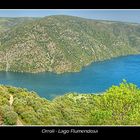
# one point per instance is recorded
(119, 105)
(65, 43)
(7, 23)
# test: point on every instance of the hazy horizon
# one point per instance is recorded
(132, 16)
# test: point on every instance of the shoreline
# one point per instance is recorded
(76, 71)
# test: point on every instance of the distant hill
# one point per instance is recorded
(119, 105)
(63, 43)
(7, 23)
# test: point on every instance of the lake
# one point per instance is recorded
(94, 78)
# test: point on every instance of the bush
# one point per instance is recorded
(9, 116)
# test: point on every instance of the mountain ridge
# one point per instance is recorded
(65, 44)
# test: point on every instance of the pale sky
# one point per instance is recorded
(102, 14)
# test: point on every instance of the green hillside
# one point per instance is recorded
(64, 43)
(119, 105)
(7, 23)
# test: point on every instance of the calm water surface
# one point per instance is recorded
(95, 78)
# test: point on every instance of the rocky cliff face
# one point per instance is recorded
(64, 43)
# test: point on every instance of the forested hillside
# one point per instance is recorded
(119, 105)
(63, 43)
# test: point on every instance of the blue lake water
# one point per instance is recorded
(94, 78)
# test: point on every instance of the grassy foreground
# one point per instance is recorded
(119, 105)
